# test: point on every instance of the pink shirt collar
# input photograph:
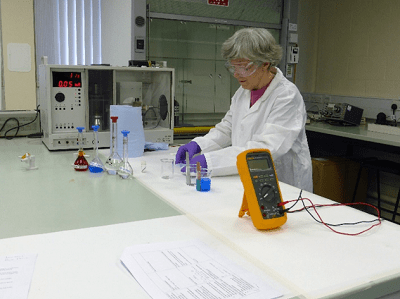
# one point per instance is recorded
(256, 94)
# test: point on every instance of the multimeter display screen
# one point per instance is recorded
(258, 164)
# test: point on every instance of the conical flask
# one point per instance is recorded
(114, 160)
(96, 165)
(81, 164)
(125, 170)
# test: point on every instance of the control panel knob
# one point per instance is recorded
(60, 97)
(267, 192)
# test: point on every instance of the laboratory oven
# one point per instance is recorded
(80, 96)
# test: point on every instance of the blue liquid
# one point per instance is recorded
(95, 169)
(205, 184)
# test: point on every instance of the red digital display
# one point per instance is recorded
(67, 79)
(219, 2)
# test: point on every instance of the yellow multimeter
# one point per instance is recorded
(262, 195)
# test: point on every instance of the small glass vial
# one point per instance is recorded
(114, 160)
(96, 165)
(125, 170)
(81, 164)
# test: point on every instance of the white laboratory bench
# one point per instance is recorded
(81, 260)
(350, 141)
(55, 197)
(360, 132)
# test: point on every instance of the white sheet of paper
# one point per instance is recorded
(130, 119)
(191, 270)
(19, 57)
(16, 273)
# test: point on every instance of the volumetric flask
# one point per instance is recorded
(96, 165)
(80, 164)
(125, 170)
(114, 160)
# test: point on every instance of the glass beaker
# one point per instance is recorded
(114, 160)
(81, 164)
(96, 165)
(167, 168)
(199, 177)
(203, 180)
(125, 170)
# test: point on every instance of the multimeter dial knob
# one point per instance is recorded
(60, 97)
(267, 192)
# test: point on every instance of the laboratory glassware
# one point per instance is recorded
(125, 170)
(96, 165)
(114, 161)
(203, 179)
(81, 164)
(198, 177)
(167, 168)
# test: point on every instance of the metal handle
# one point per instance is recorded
(186, 81)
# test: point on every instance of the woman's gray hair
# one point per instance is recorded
(255, 44)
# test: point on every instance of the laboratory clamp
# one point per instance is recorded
(81, 96)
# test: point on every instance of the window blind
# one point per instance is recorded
(68, 32)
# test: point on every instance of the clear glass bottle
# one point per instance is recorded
(81, 164)
(96, 165)
(125, 170)
(114, 160)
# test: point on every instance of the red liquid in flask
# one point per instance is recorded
(81, 164)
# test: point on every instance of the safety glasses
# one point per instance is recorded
(242, 70)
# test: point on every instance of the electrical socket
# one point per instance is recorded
(397, 102)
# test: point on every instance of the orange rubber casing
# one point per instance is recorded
(263, 209)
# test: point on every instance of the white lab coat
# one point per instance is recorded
(276, 122)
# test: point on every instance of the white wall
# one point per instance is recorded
(17, 28)
(116, 32)
(308, 20)
(349, 48)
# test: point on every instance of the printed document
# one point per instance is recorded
(16, 273)
(191, 270)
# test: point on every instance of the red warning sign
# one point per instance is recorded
(219, 2)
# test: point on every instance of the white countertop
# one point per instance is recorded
(303, 257)
(354, 132)
(302, 254)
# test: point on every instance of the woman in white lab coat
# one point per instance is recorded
(267, 111)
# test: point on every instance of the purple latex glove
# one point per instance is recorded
(199, 158)
(192, 148)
